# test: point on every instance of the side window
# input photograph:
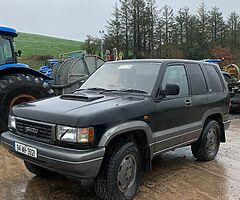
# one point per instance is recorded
(176, 74)
(214, 82)
(197, 79)
(7, 50)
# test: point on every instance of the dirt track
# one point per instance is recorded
(175, 175)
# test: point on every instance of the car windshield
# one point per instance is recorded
(6, 55)
(124, 76)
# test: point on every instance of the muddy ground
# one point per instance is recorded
(175, 175)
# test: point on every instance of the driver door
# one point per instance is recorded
(173, 112)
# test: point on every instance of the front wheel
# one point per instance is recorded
(118, 178)
(206, 148)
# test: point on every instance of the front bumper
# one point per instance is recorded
(83, 164)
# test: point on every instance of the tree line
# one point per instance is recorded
(140, 29)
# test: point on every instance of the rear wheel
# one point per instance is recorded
(206, 148)
(118, 178)
(19, 88)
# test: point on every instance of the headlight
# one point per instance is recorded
(75, 135)
(12, 122)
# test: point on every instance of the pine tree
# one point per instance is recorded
(114, 30)
(140, 29)
(125, 24)
(233, 29)
(203, 27)
(217, 25)
(137, 8)
(150, 26)
(167, 19)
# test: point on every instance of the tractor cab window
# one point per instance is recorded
(6, 53)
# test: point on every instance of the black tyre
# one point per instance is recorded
(17, 89)
(38, 171)
(206, 148)
(118, 178)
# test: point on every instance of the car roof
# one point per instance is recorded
(8, 31)
(159, 61)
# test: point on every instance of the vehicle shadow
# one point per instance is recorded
(60, 188)
(175, 175)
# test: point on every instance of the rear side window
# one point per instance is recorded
(197, 79)
(214, 82)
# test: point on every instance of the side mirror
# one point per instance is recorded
(171, 89)
(18, 53)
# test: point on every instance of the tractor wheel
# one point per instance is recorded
(19, 88)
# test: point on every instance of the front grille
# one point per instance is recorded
(35, 130)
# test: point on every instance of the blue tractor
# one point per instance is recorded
(18, 82)
(48, 65)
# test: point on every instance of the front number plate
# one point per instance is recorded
(26, 150)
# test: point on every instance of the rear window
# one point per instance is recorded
(214, 82)
(197, 80)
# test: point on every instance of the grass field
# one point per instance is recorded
(34, 46)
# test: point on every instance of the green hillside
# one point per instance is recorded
(35, 47)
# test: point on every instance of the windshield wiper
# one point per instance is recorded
(133, 91)
(94, 88)
(124, 90)
(109, 90)
(103, 90)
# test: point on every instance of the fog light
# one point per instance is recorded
(12, 122)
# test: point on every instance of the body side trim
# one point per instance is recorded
(174, 137)
(174, 147)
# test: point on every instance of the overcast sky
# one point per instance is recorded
(74, 19)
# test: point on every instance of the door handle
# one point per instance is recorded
(188, 103)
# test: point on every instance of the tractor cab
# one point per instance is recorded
(7, 52)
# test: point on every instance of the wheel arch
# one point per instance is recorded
(125, 128)
(22, 70)
(137, 131)
(216, 114)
